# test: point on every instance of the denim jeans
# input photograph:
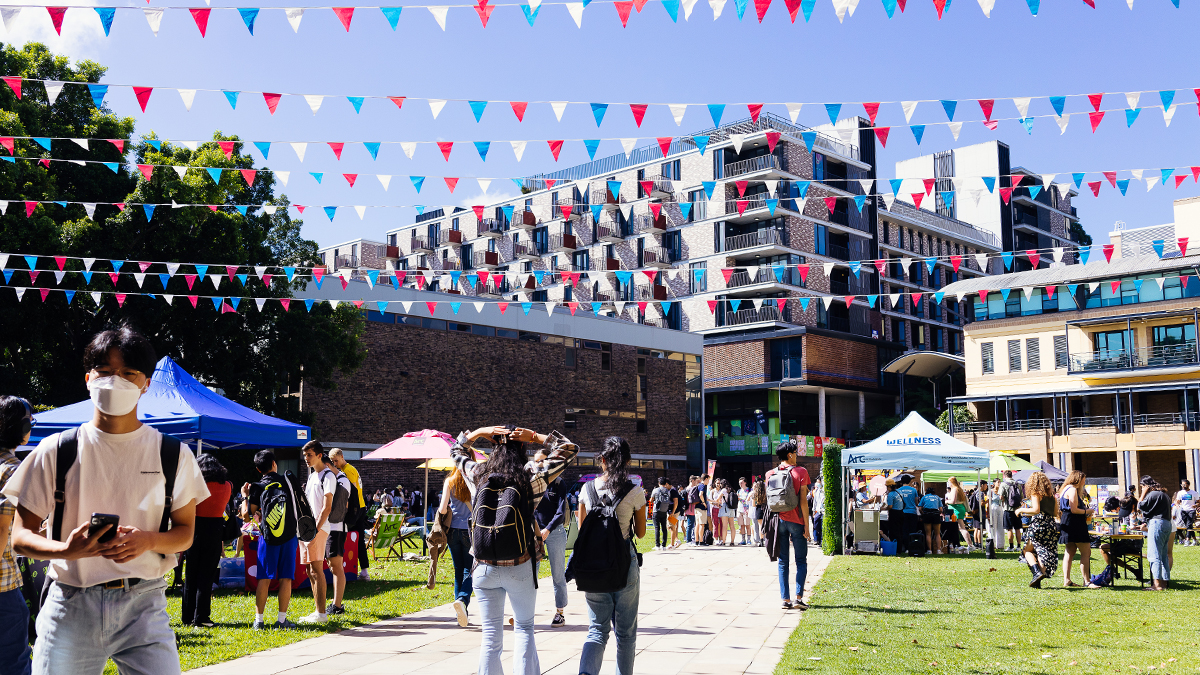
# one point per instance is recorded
(459, 543)
(14, 634)
(556, 551)
(795, 532)
(1158, 535)
(491, 585)
(619, 611)
(691, 528)
(660, 528)
(817, 521)
(81, 628)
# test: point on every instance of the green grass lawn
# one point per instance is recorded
(395, 588)
(957, 614)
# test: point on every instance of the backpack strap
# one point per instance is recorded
(68, 451)
(168, 452)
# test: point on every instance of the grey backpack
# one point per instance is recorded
(781, 493)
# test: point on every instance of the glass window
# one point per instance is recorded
(483, 330)
(1110, 343)
(988, 357)
(1174, 335)
(506, 333)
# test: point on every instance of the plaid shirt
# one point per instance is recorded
(560, 452)
(10, 574)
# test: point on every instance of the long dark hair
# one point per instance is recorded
(211, 468)
(616, 460)
(508, 459)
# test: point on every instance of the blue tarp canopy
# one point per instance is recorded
(915, 444)
(178, 405)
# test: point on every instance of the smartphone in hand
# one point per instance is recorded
(99, 520)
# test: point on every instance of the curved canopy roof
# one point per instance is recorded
(925, 364)
(915, 444)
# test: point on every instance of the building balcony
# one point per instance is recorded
(659, 256)
(746, 317)
(606, 264)
(610, 233)
(491, 227)
(524, 220)
(391, 252)
(485, 260)
(563, 243)
(754, 164)
(450, 264)
(345, 260)
(450, 238)
(644, 223)
(422, 244)
(652, 292)
(766, 237)
(525, 252)
(1160, 360)
(574, 214)
(600, 194)
(849, 325)
(660, 186)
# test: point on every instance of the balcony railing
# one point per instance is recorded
(421, 243)
(610, 233)
(485, 259)
(652, 292)
(659, 256)
(345, 260)
(491, 227)
(576, 208)
(754, 201)
(745, 316)
(605, 264)
(564, 243)
(525, 252)
(773, 122)
(1119, 424)
(848, 325)
(661, 186)
(645, 222)
(753, 164)
(1162, 356)
(748, 278)
(837, 251)
(1013, 425)
(602, 195)
(765, 237)
(525, 220)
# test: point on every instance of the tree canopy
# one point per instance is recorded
(255, 356)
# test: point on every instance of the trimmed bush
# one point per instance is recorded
(831, 478)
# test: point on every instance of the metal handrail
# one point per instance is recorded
(757, 200)
(764, 237)
(1160, 356)
(744, 316)
(760, 163)
(1093, 422)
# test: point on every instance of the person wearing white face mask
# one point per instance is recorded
(107, 597)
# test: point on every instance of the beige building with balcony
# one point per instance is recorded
(1101, 374)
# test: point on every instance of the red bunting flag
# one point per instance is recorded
(143, 96)
(664, 143)
(44, 292)
(111, 275)
(879, 265)
(484, 11)
(741, 205)
(956, 262)
(985, 104)
(623, 11)
(1090, 3)
(398, 100)
(773, 139)
(941, 7)
(830, 203)
(803, 270)
(872, 110)
(555, 148)
(61, 261)
(143, 265)
(741, 187)
(45, 161)
(400, 274)
(793, 6)
(1095, 186)
(33, 275)
(272, 101)
(344, 14)
(350, 178)
(882, 134)
(249, 174)
(1034, 257)
(983, 296)
(761, 7)
(211, 207)
(655, 210)
(200, 16)
(432, 307)
(1006, 194)
(518, 108)
(300, 208)
(478, 209)
(420, 279)
(1095, 100)
(916, 298)
(1108, 252)
(1179, 180)
(1183, 242)
(227, 148)
(120, 299)
(991, 124)
(642, 307)
(727, 273)
(29, 207)
(119, 142)
(146, 170)
(483, 276)
(646, 185)
(639, 112)
(56, 17)
(639, 4)
(1095, 117)
(7, 143)
(231, 270)
(286, 302)
(337, 149)
(929, 183)
(445, 147)
(565, 209)
(550, 182)
(781, 303)
(266, 279)
(1115, 287)
(1016, 180)
(755, 108)
(712, 306)
(503, 307)
(849, 299)
(318, 273)
(917, 197)
(1112, 177)
(901, 4)
(650, 274)
(1196, 173)
(1049, 290)
(121, 206)
(191, 279)
(451, 183)
(572, 306)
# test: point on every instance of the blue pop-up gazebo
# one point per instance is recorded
(178, 405)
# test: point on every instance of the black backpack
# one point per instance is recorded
(731, 499)
(502, 522)
(341, 498)
(600, 560)
(280, 508)
(973, 502)
(1012, 496)
(353, 510)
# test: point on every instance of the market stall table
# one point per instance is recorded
(1124, 552)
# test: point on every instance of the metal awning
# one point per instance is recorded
(925, 364)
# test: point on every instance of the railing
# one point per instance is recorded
(745, 316)
(421, 242)
(609, 232)
(765, 237)
(451, 264)
(602, 195)
(485, 259)
(848, 325)
(652, 292)
(1162, 356)
(345, 261)
(746, 278)
(659, 255)
(524, 219)
(761, 163)
(754, 201)
(1013, 425)
(577, 208)
(1093, 422)
(524, 250)
(606, 264)
(1160, 419)
(772, 122)
(562, 242)
(660, 183)
(837, 251)
(645, 222)
(491, 226)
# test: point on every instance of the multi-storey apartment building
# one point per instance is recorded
(358, 253)
(1034, 214)
(1100, 374)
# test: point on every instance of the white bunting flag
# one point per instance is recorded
(407, 305)
(576, 10)
(1022, 106)
(384, 180)
(840, 7)
(717, 7)
(300, 149)
(139, 277)
(409, 147)
(269, 209)
(88, 262)
(190, 145)
(153, 17)
(678, 109)
(847, 133)
(906, 265)
(294, 14)
(558, 107)
(620, 305)
(314, 102)
(1150, 183)
(188, 96)
(737, 140)
(436, 105)
(1028, 291)
(772, 186)
(550, 307)
(58, 277)
(975, 195)
(626, 209)
(794, 110)
(853, 6)
(1132, 99)
(828, 300)
(362, 212)
(1047, 179)
(89, 207)
(1057, 253)
(1161, 281)
(439, 15)
(1137, 174)
(986, 6)
(258, 301)
(260, 270)
(909, 108)
(534, 4)
(1062, 123)
(888, 200)
(955, 128)
(8, 15)
(688, 6)
(484, 184)
(479, 307)
(171, 298)
(627, 145)
(866, 184)
(982, 260)
(172, 269)
(53, 89)
(518, 148)
(180, 170)
(215, 279)
(282, 177)
(1168, 113)
(81, 142)
(334, 303)
(828, 268)
(1092, 286)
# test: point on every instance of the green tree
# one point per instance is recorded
(254, 356)
(1080, 235)
(962, 415)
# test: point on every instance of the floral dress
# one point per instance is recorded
(1042, 533)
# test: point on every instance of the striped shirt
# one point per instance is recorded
(10, 574)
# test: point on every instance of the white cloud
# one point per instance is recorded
(489, 197)
(81, 30)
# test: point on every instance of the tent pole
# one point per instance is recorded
(425, 510)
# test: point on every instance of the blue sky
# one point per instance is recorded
(1068, 49)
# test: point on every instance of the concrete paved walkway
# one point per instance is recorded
(711, 610)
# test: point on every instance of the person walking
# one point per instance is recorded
(1074, 513)
(956, 501)
(660, 501)
(1010, 496)
(617, 610)
(676, 514)
(1155, 507)
(16, 421)
(1185, 501)
(202, 557)
(551, 517)
(996, 516)
(322, 483)
(1040, 542)
(703, 511)
(456, 497)
(690, 513)
(791, 524)
(758, 497)
(743, 512)
(931, 519)
(726, 510)
(503, 540)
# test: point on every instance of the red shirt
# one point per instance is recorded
(218, 497)
(799, 477)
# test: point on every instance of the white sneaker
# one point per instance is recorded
(315, 617)
(363, 575)
(460, 609)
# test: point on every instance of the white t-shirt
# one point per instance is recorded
(1187, 499)
(124, 478)
(636, 499)
(320, 484)
(743, 500)
(344, 481)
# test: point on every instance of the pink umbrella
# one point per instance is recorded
(423, 444)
